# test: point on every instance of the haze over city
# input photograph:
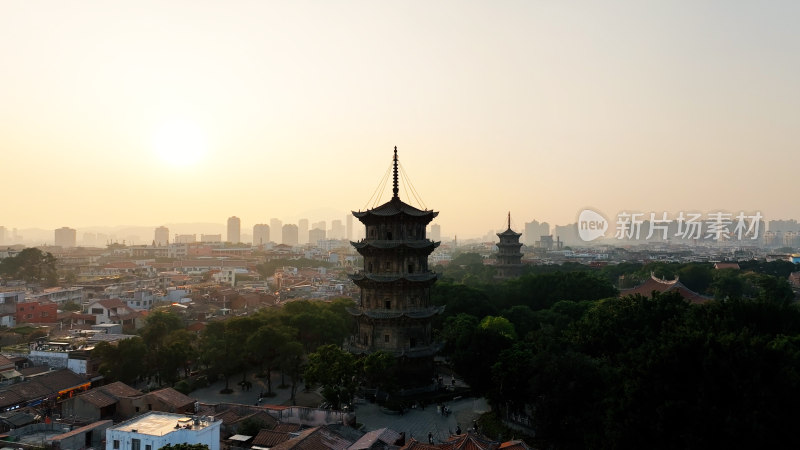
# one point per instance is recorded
(149, 113)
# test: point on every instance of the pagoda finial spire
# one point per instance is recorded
(509, 220)
(395, 188)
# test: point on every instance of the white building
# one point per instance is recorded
(154, 430)
(57, 295)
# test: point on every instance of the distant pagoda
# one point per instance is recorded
(509, 256)
(394, 311)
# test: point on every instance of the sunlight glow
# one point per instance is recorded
(180, 143)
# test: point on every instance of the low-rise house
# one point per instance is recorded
(154, 430)
(98, 403)
(36, 312)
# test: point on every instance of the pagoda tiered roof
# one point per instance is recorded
(385, 244)
(396, 314)
(420, 277)
(509, 232)
(394, 207)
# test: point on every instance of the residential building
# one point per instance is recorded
(154, 430)
(289, 234)
(260, 234)
(211, 238)
(337, 230)
(302, 231)
(276, 227)
(161, 236)
(66, 237)
(234, 230)
(185, 238)
(436, 232)
(316, 235)
(36, 312)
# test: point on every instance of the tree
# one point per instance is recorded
(336, 371)
(499, 325)
(122, 361)
(266, 345)
(292, 363)
(31, 265)
(379, 370)
(185, 447)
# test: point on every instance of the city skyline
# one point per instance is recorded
(148, 113)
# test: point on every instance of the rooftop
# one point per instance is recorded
(159, 423)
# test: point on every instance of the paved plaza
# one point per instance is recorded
(415, 422)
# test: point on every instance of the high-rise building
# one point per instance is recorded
(349, 222)
(302, 230)
(289, 234)
(260, 234)
(337, 230)
(509, 256)
(394, 311)
(234, 230)
(316, 235)
(276, 228)
(436, 232)
(2, 235)
(321, 225)
(66, 237)
(534, 231)
(162, 236)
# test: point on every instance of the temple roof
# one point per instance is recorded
(655, 284)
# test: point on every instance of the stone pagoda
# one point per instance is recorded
(509, 256)
(394, 311)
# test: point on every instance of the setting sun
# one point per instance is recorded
(180, 143)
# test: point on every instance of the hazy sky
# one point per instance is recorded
(151, 112)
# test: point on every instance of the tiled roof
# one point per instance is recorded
(97, 398)
(9, 398)
(30, 390)
(414, 244)
(515, 445)
(417, 445)
(317, 438)
(110, 303)
(654, 284)
(469, 441)
(270, 438)
(227, 417)
(120, 389)
(59, 380)
(382, 435)
(5, 362)
(109, 394)
(172, 397)
(394, 207)
(287, 427)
